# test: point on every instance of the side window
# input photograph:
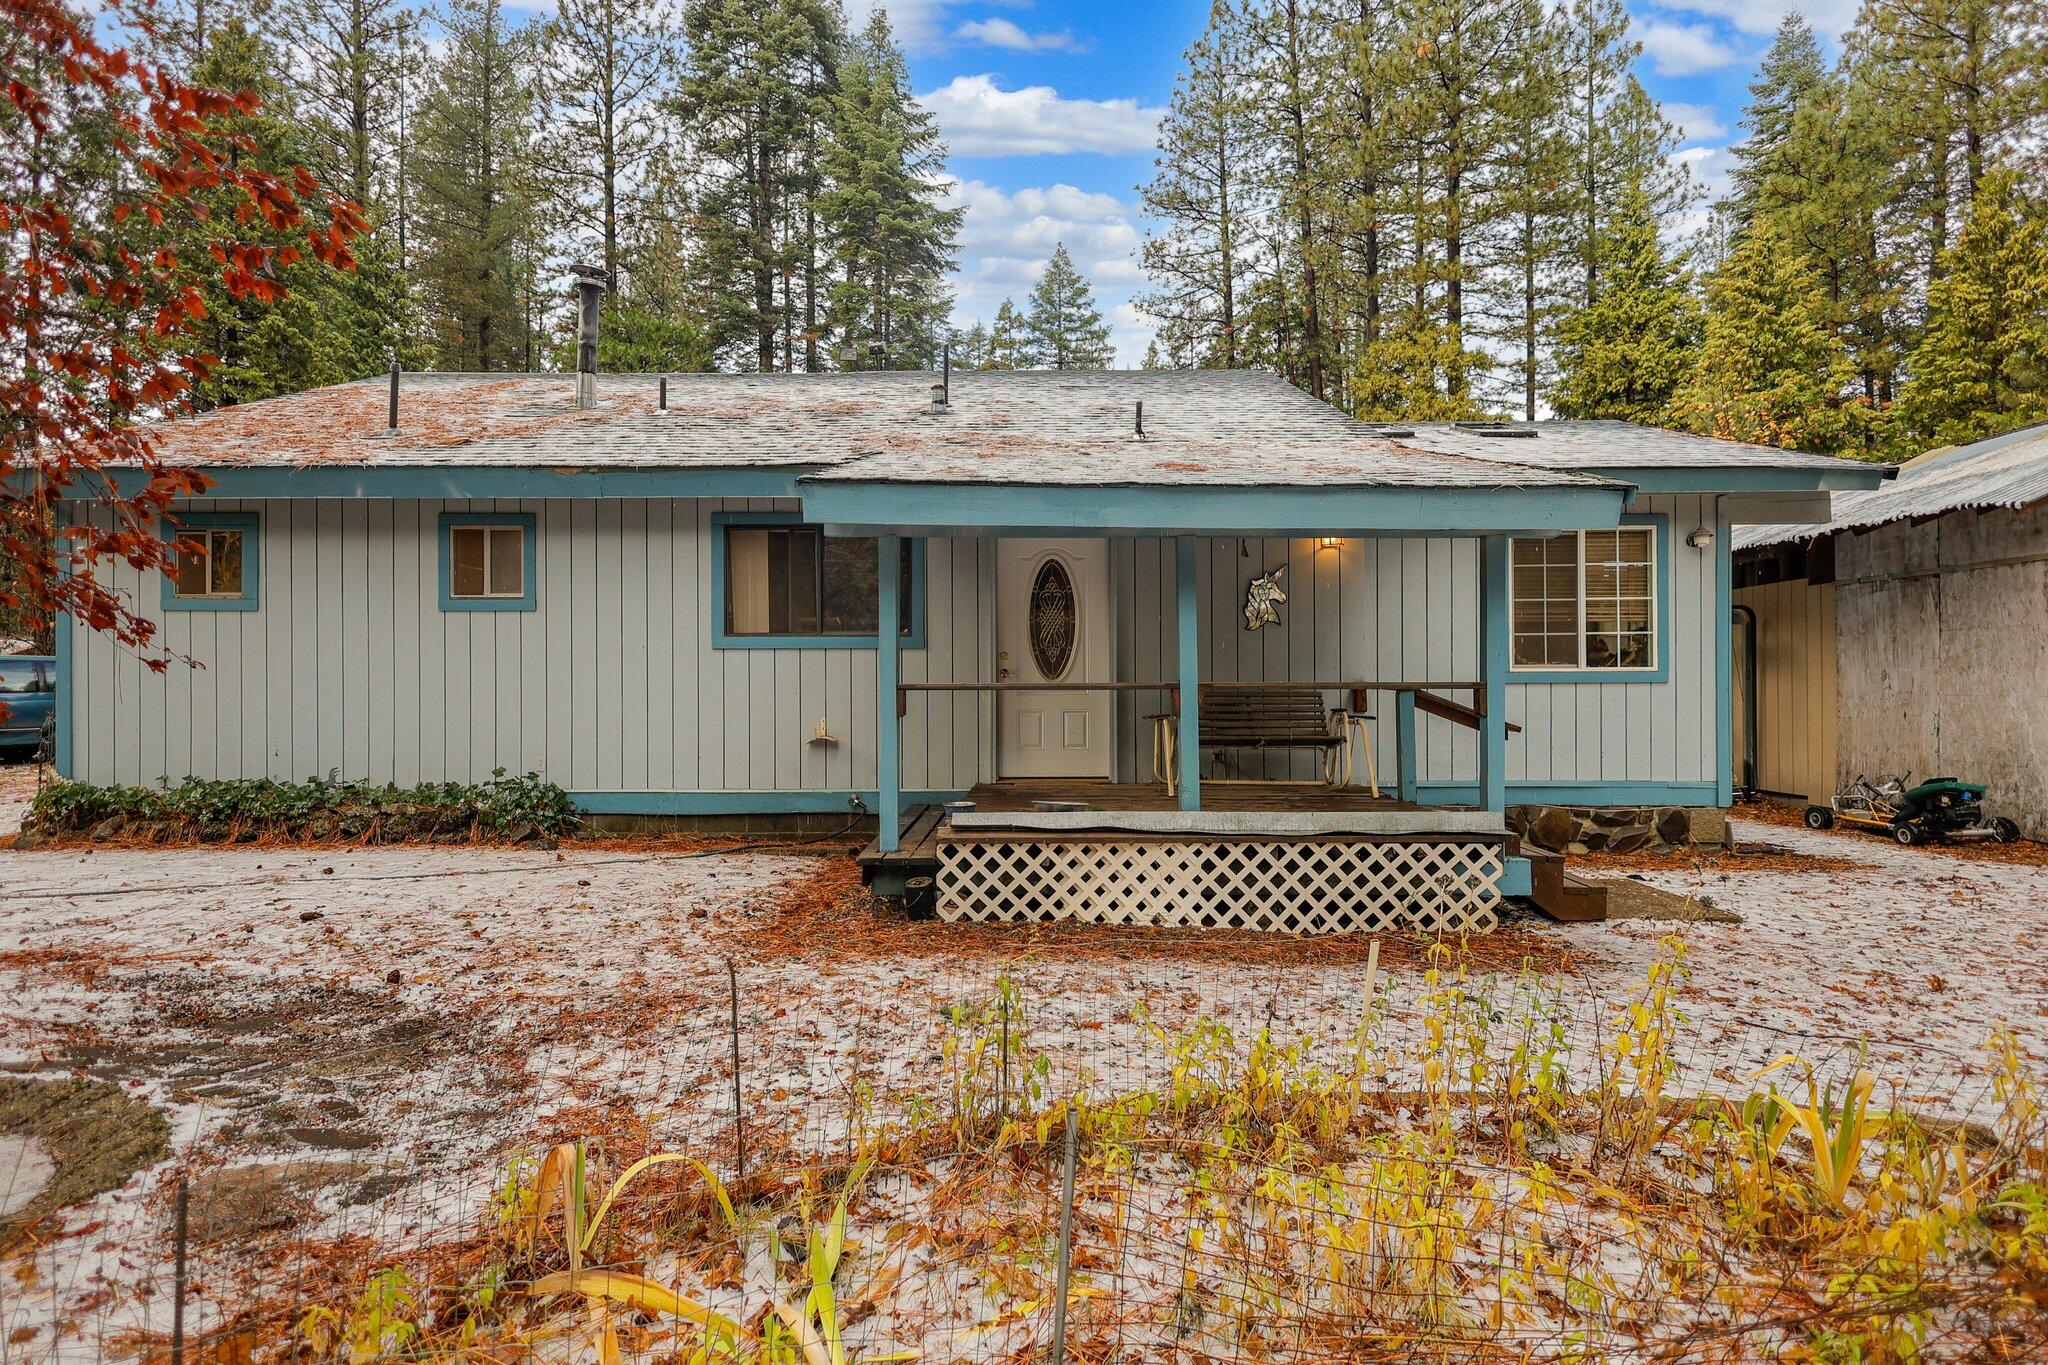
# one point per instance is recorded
(1587, 600)
(487, 561)
(216, 561)
(793, 582)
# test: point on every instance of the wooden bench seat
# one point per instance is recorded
(1264, 718)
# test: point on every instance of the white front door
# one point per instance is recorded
(1052, 625)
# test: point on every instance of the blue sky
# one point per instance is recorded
(1049, 107)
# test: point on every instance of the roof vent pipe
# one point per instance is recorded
(392, 413)
(664, 393)
(1141, 419)
(946, 373)
(590, 285)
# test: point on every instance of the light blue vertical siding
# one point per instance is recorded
(611, 684)
(349, 665)
(1407, 609)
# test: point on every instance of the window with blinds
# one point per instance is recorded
(1586, 600)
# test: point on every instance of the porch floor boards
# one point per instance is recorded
(1017, 794)
(917, 855)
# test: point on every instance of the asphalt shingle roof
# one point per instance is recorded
(1598, 445)
(1206, 428)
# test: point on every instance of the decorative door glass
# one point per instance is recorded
(1052, 620)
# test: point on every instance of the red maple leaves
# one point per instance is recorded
(93, 307)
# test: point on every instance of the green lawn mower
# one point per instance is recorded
(1939, 808)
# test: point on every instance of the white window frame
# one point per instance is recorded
(1656, 633)
(204, 536)
(489, 528)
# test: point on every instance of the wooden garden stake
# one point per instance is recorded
(1066, 1249)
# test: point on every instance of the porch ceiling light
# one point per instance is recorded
(1331, 542)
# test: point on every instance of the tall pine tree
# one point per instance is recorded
(1064, 328)
(1769, 369)
(1982, 363)
(1623, 355)
(890, 235)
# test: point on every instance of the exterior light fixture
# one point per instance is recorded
(1700, 539)
(1331, 542)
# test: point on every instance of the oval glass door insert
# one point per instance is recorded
(1052, 620)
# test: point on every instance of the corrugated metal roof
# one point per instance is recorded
(2001, 471)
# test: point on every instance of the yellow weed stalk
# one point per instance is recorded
(1838, 1134)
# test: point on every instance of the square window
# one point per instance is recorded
(487, 562)
(214, 566)
(1585, 601)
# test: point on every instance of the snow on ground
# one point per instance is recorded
(372, 1031)
(17, 790)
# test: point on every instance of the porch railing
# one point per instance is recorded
(1409, 698)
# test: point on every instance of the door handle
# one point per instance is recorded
(1003, 673)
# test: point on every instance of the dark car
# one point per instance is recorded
(28, 688)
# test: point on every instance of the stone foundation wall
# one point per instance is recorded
(1618, 829)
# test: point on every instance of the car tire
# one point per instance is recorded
(2005, 830)
(1819, 817)
(1909, 835)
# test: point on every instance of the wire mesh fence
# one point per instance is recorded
(1412, 1158)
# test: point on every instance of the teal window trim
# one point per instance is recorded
(250, 524)
(530, 553)
(1660, 628)
(913, 638)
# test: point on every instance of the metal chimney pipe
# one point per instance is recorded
(664, 393)
(1141, 419)
(590, 287)
(392, 425)
(946, 372)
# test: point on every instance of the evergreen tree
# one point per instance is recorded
(1791, 76)
(1287, 78)
(1769, 369)
(1199, 193)
(1981, 366)
(1064, 328)
(607, 57)
(347, 82)
(479, 253)
(970, 349)
(754, 93)
(330, 325)
(1009, 340)
(883, 219)
(1623, 355)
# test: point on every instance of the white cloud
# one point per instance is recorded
(1685, 49)
(1828, 17)
(980, 118)
(920, 25)
(1710, 167)
(1008, 235)
(1696, 122)
(1004, 34)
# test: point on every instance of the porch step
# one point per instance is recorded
(1560, 894)
(915, 855)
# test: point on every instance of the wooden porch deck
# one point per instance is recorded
(918, 854)
(1555, 891)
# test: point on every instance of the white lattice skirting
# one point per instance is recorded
(1318, 886)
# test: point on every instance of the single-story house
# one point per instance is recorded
(782, 595)
(1906, 635)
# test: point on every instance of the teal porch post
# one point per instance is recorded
(1404, 745)
(1493, 660)
(1189, 640)
(888, 661)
